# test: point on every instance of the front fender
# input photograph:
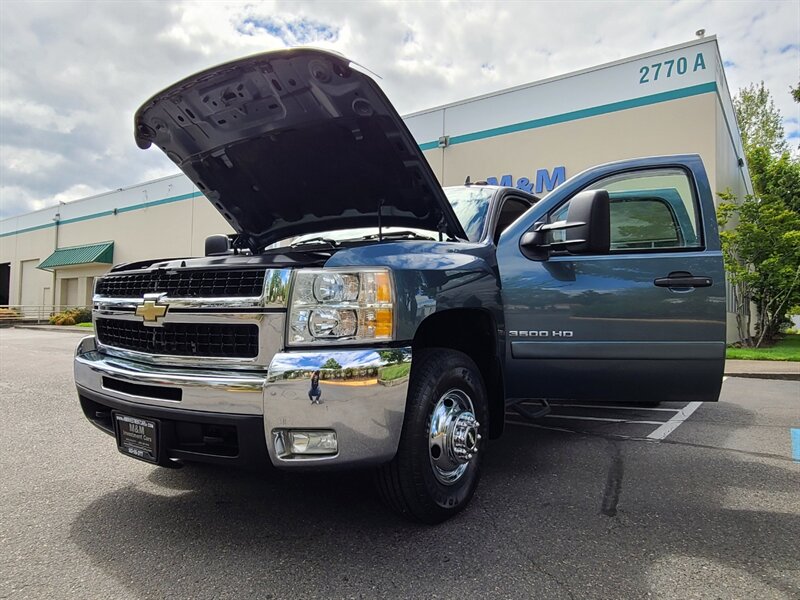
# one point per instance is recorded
(431, 277)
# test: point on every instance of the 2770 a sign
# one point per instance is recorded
(671, 67)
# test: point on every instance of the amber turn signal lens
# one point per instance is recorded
(383, 323)
(383, 289)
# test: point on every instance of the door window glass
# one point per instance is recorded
(650, 210)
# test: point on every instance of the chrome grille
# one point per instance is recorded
(181, 339)
(184, 284)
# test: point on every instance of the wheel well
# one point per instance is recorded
(473, 332)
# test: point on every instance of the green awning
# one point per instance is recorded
(79, 255)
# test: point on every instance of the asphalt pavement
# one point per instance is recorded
(586, 502)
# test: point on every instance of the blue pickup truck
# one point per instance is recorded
(362, 315)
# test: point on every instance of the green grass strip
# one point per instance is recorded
(787, 348)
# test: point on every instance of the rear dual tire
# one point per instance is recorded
(437, 466)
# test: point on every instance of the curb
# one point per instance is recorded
(778, 376)
(60, 328)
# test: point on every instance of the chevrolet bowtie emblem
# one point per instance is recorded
(150, 311)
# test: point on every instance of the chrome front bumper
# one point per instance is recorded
(363, 396)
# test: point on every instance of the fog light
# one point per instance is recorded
(311, 442)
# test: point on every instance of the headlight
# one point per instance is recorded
(341, 307)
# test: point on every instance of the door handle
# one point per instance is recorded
(682, 279)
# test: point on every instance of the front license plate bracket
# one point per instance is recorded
(137, 437)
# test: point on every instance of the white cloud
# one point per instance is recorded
(29, 161)
(76, 192)
(13, 198)
(73, 73)
(41, 116)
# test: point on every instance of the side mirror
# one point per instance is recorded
(590, 213)
(217, 244)
(588, 227)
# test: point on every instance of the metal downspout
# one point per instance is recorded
(57, 219)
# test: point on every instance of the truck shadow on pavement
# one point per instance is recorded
(685, 521)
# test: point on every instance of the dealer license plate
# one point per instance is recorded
(137, 437)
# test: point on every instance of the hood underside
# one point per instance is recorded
(294, 142)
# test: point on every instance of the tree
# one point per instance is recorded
(796, 92)
(760, 123)
(332, 364)
(277, 287)
(775, 178)
(762, 253)
(395, 355)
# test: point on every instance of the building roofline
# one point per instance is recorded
(569, 75)
(93, 197)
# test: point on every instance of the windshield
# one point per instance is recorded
(471, 205)
(343, 235)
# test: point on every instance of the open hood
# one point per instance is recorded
(293, 142)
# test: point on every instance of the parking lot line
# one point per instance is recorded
(675, 422)
(538, 426)
(795, 433)
(565, 430)
(552, 416)
(604, 406)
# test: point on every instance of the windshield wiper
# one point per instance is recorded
(316, 241)
(396, 235)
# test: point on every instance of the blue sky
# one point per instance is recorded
(313, 360)
(292, 32)
(73, 73)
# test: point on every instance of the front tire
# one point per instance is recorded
(437, 466)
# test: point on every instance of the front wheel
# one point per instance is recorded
(437, 466)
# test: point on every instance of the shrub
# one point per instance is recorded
(72, 316)
(82, 314)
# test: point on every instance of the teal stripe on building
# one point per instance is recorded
(695, 90)
(107, 213)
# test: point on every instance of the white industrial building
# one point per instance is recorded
(669, 101)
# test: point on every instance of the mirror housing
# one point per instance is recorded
(217, 244)
(588, 227)
(593, 235)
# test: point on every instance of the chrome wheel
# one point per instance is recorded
(453, 436)
(437, 467)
